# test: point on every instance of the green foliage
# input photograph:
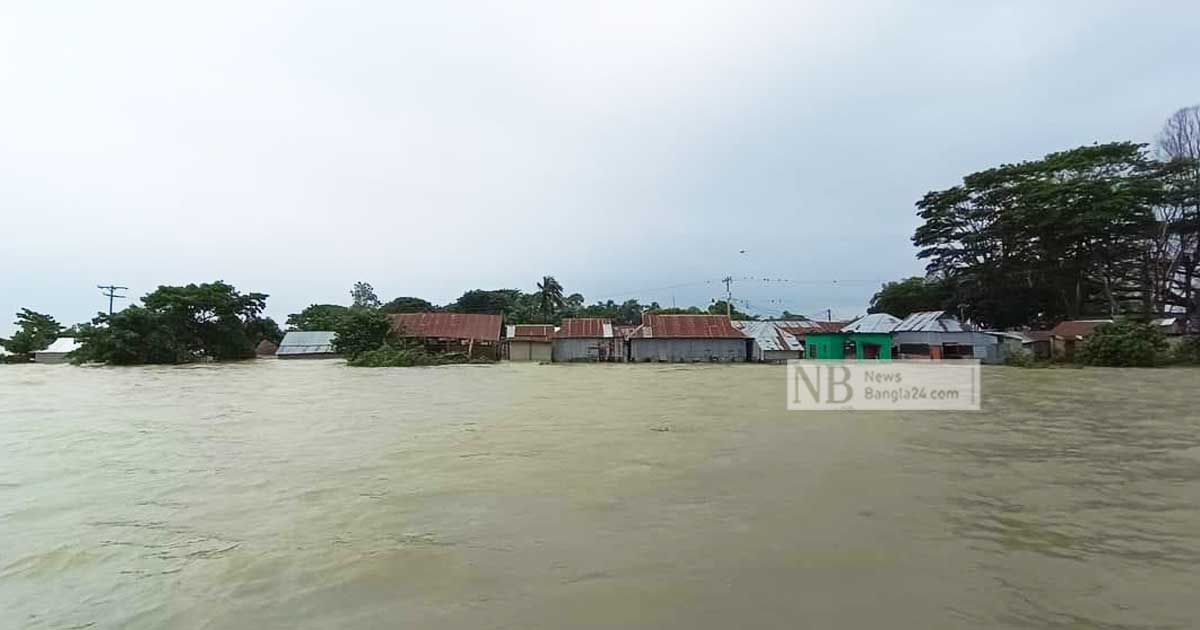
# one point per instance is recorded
(408, 305)
(177, 325)
(912, 295)
(1188, 351)
(35, 331)
(1050, 239)
(550, 297)
(363, 296)
(361, 330)
(1124, 344)
(317, 317)
(404, 356)
(261, 328)
(1021, 358)
(718, 308)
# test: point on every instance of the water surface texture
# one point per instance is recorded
(306, 494)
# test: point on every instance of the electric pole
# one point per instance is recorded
(728, 280)
(110, 291)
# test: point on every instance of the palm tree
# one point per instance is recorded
(550, 297)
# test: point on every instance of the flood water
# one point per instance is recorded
(305, 494)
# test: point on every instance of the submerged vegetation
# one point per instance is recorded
(389, 355)
(1125, 344)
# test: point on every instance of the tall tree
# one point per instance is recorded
(1174, 254)
(363, 296)
(408, 305)
(550, 297)
(35, 331)
(912, 295)
(317, 317)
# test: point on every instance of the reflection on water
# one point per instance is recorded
(306, 494)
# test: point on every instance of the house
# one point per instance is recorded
(57, 352)
(1035, 342)
(587, 339)
(938, 335)
(688, 338)
(1067, 337)
(266, 348)
(1170, 326)
(476, 335)
(528, 342)
(773, 340)
(868, 337)
(307, 344)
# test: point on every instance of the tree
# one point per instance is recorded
(912, 295)
(1175, 252)
(1050, 239)
(261, 328)
(1124, 344)
(408, 305)
(362, 330)
(363, 295)
(319, 317)
(177, 325)
(718, 308)
(35, 331)
(550, 297)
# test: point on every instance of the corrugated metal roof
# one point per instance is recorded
(624, 332)
(62, 345)
(688, 327)
(930, 321)
(306, 342)
(448, 326)
(1078, 327)
(770, 335)
(873, 323)
(529, 332)
(585, 328)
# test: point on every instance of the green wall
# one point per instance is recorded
(831, 345)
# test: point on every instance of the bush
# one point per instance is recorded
(1125, 344)
(402, 356)
(1188, 351)
(361, 330)
(1021, 358)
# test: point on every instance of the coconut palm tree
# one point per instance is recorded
(550, 297)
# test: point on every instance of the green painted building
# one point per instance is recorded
(832, 345)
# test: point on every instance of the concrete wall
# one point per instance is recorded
(687, 350)
(528, 351)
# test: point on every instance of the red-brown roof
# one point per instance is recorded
(585, 328)
(624, 332)
(447, 326)
(1078, 327)
(532, 332)
(688, 327)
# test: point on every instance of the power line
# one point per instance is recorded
(110, 291)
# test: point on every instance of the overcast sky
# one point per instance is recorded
(295, 147)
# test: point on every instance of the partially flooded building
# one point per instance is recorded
(476, 335)
(938, 335)
(1067, 337)
(587, 339)
(528, 342)
(868, 337)
(773, 340)
(307, 344)
(57, 352)
(688, 338)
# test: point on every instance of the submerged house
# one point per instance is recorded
(266, 348)
(57, 352)
(528, 342)
(773, 340)
(937, 335)
(867, 337)
(587, 339)
(1067, 337)
(307, 344)
(688, 338)
(475, 335)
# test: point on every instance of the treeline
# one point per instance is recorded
(546, 305)
(1104, 230)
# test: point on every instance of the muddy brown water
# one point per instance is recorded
(306, 494)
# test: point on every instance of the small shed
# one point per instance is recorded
(773, 340)
(475, 335)
(528, 342)
(587, 339)
(1067, 337)
(689, 338)
(57, 352)
(938, 335)
(307, 344)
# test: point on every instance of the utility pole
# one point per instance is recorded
(828, 314)
(728, 280)
(110, 291)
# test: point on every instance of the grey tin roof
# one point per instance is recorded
(769, 335)
(306, 342)
(930, 321)
(873, 323)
